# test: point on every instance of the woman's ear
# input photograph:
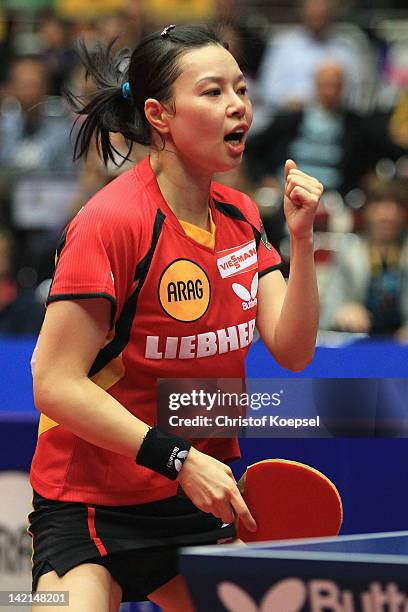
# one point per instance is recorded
(156, 115)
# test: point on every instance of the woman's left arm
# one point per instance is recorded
(288, 315)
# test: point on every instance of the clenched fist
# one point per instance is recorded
(302, 196)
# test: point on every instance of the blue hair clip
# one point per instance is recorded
(126, 90)
(167, 30)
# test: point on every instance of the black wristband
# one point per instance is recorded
(163, 453)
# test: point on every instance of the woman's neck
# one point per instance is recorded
(186, 193)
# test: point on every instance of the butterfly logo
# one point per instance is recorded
(248, 297)
(179, 460)
(288, 595)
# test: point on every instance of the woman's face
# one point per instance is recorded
(211, 103)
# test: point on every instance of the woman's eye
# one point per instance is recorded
(243, 90)
(213, 92)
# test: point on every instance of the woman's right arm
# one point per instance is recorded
(72, 334)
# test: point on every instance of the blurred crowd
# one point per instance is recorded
(329, 85)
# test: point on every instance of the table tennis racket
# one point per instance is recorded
(289, 500)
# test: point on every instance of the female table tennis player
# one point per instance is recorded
(142, 290)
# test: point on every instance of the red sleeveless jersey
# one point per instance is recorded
(174, 314)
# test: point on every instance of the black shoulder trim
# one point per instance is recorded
(143, 266)
(229, 210)
(60, 246)
(62, 241)
(257, 235)
(278, 266)
(124, 322)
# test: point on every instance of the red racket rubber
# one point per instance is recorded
(289, 500)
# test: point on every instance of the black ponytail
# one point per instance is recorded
(150, 71)
(107, 111)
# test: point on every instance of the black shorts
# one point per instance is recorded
(137, 544)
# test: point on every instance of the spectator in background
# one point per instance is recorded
(398, 125)
(20, 312)
(290, 62)
(368, 288)
(393, 66)
(336, 145)
(323, 136)
(126, 27)
(37, 176)
(6, 41)
(56, 50)
(111, 27)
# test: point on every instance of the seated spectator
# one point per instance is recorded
(7, 26)
(290, 62)
(27, 119)
(393, 66)
(398, 125)
(326, 139)
(20, 312)
(368, 287)
(57, 50)
(37, 176)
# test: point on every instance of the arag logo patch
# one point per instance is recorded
(184, 290)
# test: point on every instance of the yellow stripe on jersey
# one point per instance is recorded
(110, 374)
(45, 424)
(202, 236)
(114, 370)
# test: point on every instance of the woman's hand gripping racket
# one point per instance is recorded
(289, 500)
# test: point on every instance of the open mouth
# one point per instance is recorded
(235, 138)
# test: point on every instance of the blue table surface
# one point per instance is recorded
(373, 548)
